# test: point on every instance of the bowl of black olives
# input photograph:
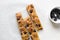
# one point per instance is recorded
(55, 15)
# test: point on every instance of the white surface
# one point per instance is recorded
(8, 24)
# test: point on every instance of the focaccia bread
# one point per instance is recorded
(32, 13)
(31, 29)
(22, 29)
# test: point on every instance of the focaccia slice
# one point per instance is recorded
(22, 29)
(32, 13)
(31, 29)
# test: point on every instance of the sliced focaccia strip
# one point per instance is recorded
(32, 13)
(31, 29)
(21, 23)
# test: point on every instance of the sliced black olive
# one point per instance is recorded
(55, 13)
(55, 19)
(31, 11)
(25, 32)
(19, 22)
(58, 16)
(38, 25)
(34, 30)
(27, 25)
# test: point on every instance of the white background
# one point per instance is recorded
(8, 24)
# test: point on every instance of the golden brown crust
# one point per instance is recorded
(32, 13)
(31, 29)
(21, 23)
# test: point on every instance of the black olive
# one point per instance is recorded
(38, 25)
(55, 19)
(25, 32)
(58, 16)
(19, 22)
(34, 30)
(31, 11)
(27, 25)
(55, 13)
